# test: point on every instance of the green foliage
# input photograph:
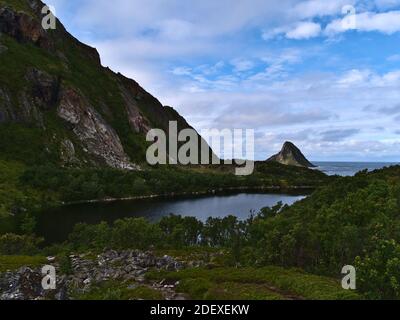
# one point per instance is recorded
(86, 236)
(114, 290)
(378, 273)
(12, 244)
(65, 264)
(28, 224)
(171, 232)
(180, 232)
(135, 233)
(255, 283)
(16, 197)
(321, 234)
(87, 184)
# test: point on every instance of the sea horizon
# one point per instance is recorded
(349, 168)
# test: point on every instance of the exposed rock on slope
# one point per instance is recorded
(97, 137)
(291, 155)
(54, 88)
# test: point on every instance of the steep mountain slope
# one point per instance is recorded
(291, 155)
(59, 105)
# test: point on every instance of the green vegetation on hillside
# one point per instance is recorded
(78, 184)
(352, 221)
(267, 283)
(114, 290)
(11, 263)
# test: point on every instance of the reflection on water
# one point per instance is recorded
(56, 224)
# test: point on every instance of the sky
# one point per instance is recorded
(322, 74)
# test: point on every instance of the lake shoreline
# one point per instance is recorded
(172, 195)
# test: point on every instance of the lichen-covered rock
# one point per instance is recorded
(45, 88)
(129, 267)
(26, 284)
(138, 123)
(67, 154)
(99, 139)
(24, 28)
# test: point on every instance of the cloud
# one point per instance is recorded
(394, 58)
(390, 110)
(241, 65)
(354, 77)
(304, 30)
(182, 71)
(215, 67)
(299, 31)
(338, 134)
(385, 22)
(319, 8)
(260, 117)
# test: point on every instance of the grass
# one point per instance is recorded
(15, 262)
(250, 283)
(114, 290)
(216, 256)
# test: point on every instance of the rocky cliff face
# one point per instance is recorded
(51, 82)
(291, 155)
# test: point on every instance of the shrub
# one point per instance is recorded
(86, 236)
(135, 234)
(12, 244)
(378, 274)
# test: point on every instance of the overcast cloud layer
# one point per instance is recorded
(323, 74)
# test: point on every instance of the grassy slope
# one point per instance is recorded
(255, 283)
(220, 283)
(114, 290)
(11, 263)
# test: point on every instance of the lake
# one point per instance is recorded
(57, 223)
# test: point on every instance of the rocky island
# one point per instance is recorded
(291, 155)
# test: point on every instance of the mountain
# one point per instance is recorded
(58, 104)
(291, 155)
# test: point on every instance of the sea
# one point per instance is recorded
(350, 168)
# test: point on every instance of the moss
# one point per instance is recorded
(240, 291)
(114, 290)
(15, 262)
(288, 281)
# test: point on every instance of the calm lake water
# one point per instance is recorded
(56, 224)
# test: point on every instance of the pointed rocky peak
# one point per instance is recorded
(291, 155)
